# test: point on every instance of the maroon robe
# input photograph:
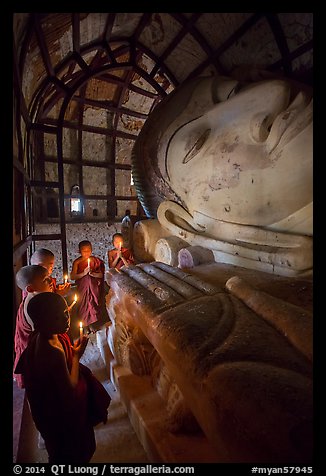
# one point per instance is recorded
(22, 333)
(90, 292)
(126, 253)
(65, 423)
(98, 398)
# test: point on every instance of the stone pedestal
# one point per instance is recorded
(220, 368)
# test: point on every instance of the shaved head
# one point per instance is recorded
(27, 275)
(44, 258)
(49, 313)
(39, 255)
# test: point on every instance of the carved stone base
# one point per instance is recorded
(149, 418)
(221, 353)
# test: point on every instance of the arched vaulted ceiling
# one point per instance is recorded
(125, 63)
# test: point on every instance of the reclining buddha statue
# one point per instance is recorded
(227, 165)
(224, 168)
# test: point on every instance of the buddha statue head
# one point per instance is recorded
(240, 153)
(231, 152)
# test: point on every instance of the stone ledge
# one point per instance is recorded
(147, 413)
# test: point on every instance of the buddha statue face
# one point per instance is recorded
(246, 159)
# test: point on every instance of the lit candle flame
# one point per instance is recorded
(88, 262)
(66, 278)
(81, 330)
(75, 298)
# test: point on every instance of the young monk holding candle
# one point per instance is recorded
(46, 258)
(65, 398)
(119, 256)
(31, 279)
(88, 272)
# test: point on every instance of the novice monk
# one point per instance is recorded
(119, 256)
(46, 258)
(59, 389)
(88, 271)
(32, 279)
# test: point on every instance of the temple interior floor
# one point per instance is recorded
(116, 441)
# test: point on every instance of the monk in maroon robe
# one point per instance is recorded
(31, 279)
(46, 258)
(119, 256)
(65, 398)
(88, 272)
(22, 333)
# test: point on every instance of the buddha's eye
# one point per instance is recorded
(197, 146)
(260, 127)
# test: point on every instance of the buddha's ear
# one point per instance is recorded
(177, 219)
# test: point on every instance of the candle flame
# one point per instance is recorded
(75, 298)
(66, 278)
(81, 330)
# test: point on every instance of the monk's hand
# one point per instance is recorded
(79, 346)
(63, 288)
(87, 270)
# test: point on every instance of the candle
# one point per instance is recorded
(88, 262)
(73, 303)
(81, 330)
(66, 278)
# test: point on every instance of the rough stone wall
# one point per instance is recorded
(99, 234)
